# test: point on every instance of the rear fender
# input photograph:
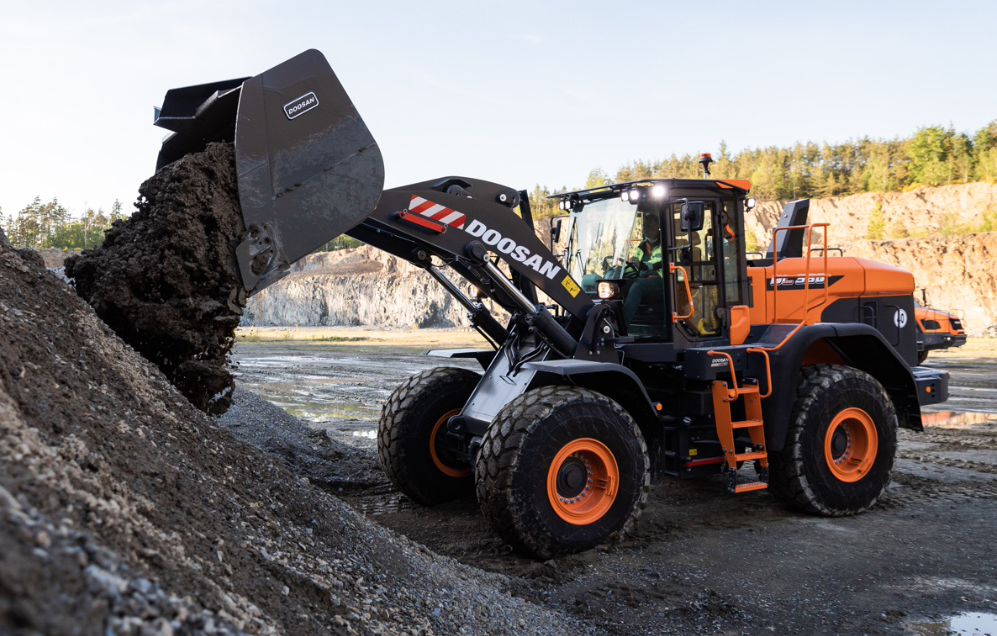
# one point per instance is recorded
(856, 345)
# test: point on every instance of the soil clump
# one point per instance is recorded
(166, 279)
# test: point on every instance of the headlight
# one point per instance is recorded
(608, 290)
(634, 195)
(658, 191)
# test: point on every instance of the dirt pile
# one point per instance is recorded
(123, 509)
(166, 279)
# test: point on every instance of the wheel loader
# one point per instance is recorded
(648, 347)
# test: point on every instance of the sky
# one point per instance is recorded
(519, 93)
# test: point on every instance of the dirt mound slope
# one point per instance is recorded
(305, 451)
(166, 279)
(123, 509)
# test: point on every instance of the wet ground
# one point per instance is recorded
(923, 561)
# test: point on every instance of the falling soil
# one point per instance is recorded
(125, 510)
(166, 280)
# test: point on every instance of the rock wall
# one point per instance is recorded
(364, 286)
(922, 212)
(958, 272)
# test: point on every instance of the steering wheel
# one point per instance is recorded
(632, 270)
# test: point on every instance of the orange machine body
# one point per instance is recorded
(780, 290)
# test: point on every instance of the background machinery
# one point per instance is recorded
(652, 348)
(936, 329)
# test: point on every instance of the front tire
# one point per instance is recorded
(561, 470)
(922, 356)
(839, 451)
(412, 450)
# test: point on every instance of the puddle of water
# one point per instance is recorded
(966, 624)
(959, 419)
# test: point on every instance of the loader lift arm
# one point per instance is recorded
(468, 224)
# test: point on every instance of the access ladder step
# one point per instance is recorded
(746, 424)
(749, 486)
(747, 457)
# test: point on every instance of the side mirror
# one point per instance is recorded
(691, 216)
(555, 230)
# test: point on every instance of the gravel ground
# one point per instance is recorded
(703, 561)
(125, 510)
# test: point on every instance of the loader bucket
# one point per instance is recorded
(308, 168)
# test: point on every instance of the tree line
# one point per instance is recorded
(50, 225)
(933, 155)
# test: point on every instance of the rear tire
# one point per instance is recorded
(408, 441)
(561, 470)
(839, 451)
(922, 356)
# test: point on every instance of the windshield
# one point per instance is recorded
(600, 240)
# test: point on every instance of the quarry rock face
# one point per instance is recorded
(957, 273)
(371, 288)
(364, 286)
(921, 212)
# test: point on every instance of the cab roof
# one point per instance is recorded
(740, 186)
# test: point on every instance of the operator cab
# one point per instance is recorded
(667, 254)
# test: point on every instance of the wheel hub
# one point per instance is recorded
(440, 453)
(851, 444)
(839, 443)
(571, 477)
(582, 481)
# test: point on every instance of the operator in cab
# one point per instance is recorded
(647, 262)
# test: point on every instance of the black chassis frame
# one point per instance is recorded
(665, 384)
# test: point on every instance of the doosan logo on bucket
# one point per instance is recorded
(301, 105)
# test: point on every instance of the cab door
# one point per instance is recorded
(712, 259)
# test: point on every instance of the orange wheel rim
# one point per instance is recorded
(444, 468)
(582, 481)
(850, 444)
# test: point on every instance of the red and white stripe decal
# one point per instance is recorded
(437, 212)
